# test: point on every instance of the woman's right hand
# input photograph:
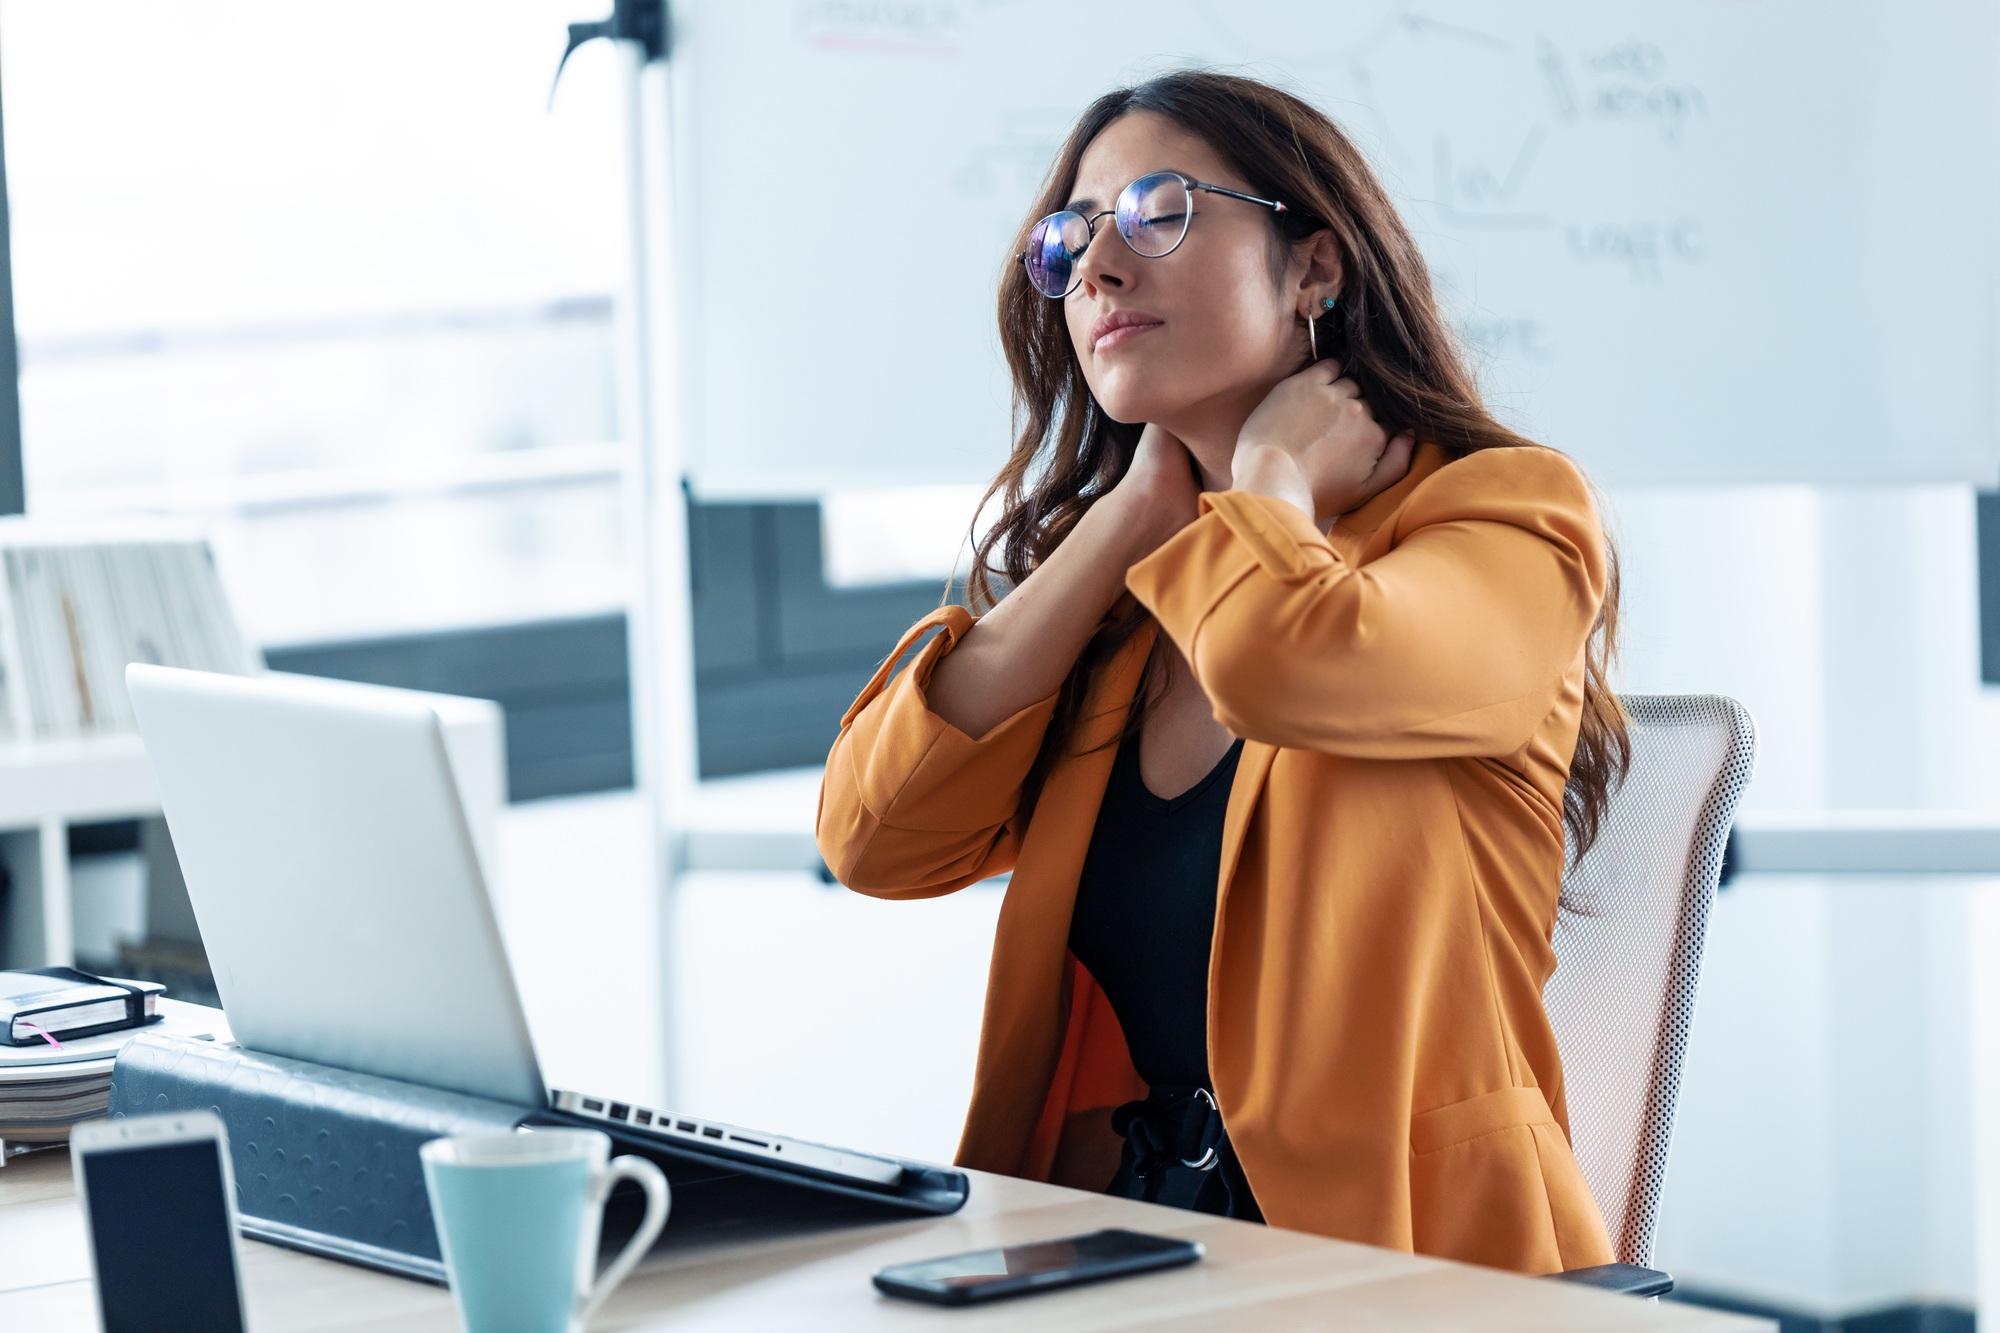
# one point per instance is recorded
(1156, 497)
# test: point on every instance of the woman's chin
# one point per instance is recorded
(1130, 404)
(1120, 411)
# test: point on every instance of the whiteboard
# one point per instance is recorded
(1718, 241)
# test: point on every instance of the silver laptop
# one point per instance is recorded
(342, 905)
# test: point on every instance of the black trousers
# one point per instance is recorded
(1177, 1153)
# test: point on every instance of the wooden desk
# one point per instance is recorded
(1253, 1277)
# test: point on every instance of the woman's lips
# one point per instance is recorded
(1122, 335)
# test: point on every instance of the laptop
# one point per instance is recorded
(344, 910)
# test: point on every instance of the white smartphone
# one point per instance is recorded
(159, 1207)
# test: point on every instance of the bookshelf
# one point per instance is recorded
(77, 603)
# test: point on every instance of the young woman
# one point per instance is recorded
(1282, 725)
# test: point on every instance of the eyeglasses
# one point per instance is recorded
(1152, 215)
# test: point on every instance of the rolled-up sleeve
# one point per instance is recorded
(910, 805)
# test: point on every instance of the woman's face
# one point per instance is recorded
(1225, 329)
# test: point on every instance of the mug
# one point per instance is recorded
(518, 1216)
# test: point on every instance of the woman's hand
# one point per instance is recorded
(1314, 435)
(1156, 497)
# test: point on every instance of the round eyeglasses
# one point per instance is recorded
(1152, 214)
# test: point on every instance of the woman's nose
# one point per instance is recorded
(1103, 260)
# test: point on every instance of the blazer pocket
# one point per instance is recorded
(1504, 1108)
(1478, 1191)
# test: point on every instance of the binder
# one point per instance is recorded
(326, 1159)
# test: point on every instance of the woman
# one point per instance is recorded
(1282, 725)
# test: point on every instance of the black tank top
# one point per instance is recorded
(1144, 919)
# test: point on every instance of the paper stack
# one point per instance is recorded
(44, 1090)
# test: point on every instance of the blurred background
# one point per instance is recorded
(585, 398)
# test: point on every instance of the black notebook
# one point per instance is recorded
(51, 1003)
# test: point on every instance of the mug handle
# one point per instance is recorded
(659, 1201)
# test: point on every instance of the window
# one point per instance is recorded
(336, 280)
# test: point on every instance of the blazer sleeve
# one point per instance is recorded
(910, 806)
(1455, 641)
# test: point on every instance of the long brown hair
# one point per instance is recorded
(1387, 332)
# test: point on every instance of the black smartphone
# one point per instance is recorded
(1043, 1265)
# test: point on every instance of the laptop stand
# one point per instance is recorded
(326, 1159)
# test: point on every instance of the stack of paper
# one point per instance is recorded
(45, 1089)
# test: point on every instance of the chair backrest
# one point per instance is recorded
(1628, 958)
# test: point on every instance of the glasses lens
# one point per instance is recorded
(1053, 247)
(1153, 213)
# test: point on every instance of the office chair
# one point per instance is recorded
(1628, 959)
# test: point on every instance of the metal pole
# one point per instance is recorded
(660, 623)
(13, 483)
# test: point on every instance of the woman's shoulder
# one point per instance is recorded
(1516, 483)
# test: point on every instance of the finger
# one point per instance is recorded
(1395, 456)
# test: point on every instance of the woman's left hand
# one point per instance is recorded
(1314, 433)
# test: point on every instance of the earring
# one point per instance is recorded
(1312, 331)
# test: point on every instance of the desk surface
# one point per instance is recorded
(1252, 1276)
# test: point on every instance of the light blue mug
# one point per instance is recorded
(518, 1216)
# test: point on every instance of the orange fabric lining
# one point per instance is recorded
(1094, 1069)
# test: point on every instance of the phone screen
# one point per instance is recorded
(159, 1227)
(1045, 1263)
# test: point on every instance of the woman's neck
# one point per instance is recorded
(1209, 431)
(1210, 436)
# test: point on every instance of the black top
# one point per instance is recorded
(1145, 913)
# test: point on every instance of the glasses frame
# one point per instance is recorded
(1189, 183)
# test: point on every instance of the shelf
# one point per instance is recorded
(75, 780)
(764, 821)
(1879, 842)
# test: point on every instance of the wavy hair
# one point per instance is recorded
(1387, 332)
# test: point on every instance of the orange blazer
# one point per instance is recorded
(1409, 691)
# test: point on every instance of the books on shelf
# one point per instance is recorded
(74, 611)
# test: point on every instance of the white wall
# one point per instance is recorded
(1824, 1154)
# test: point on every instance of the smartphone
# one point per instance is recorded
(1015, 1270)
(159, 1207)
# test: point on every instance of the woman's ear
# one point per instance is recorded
(1323, 272)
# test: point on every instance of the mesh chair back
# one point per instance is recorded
(1628, 956)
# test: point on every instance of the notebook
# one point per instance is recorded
(52, 1003)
